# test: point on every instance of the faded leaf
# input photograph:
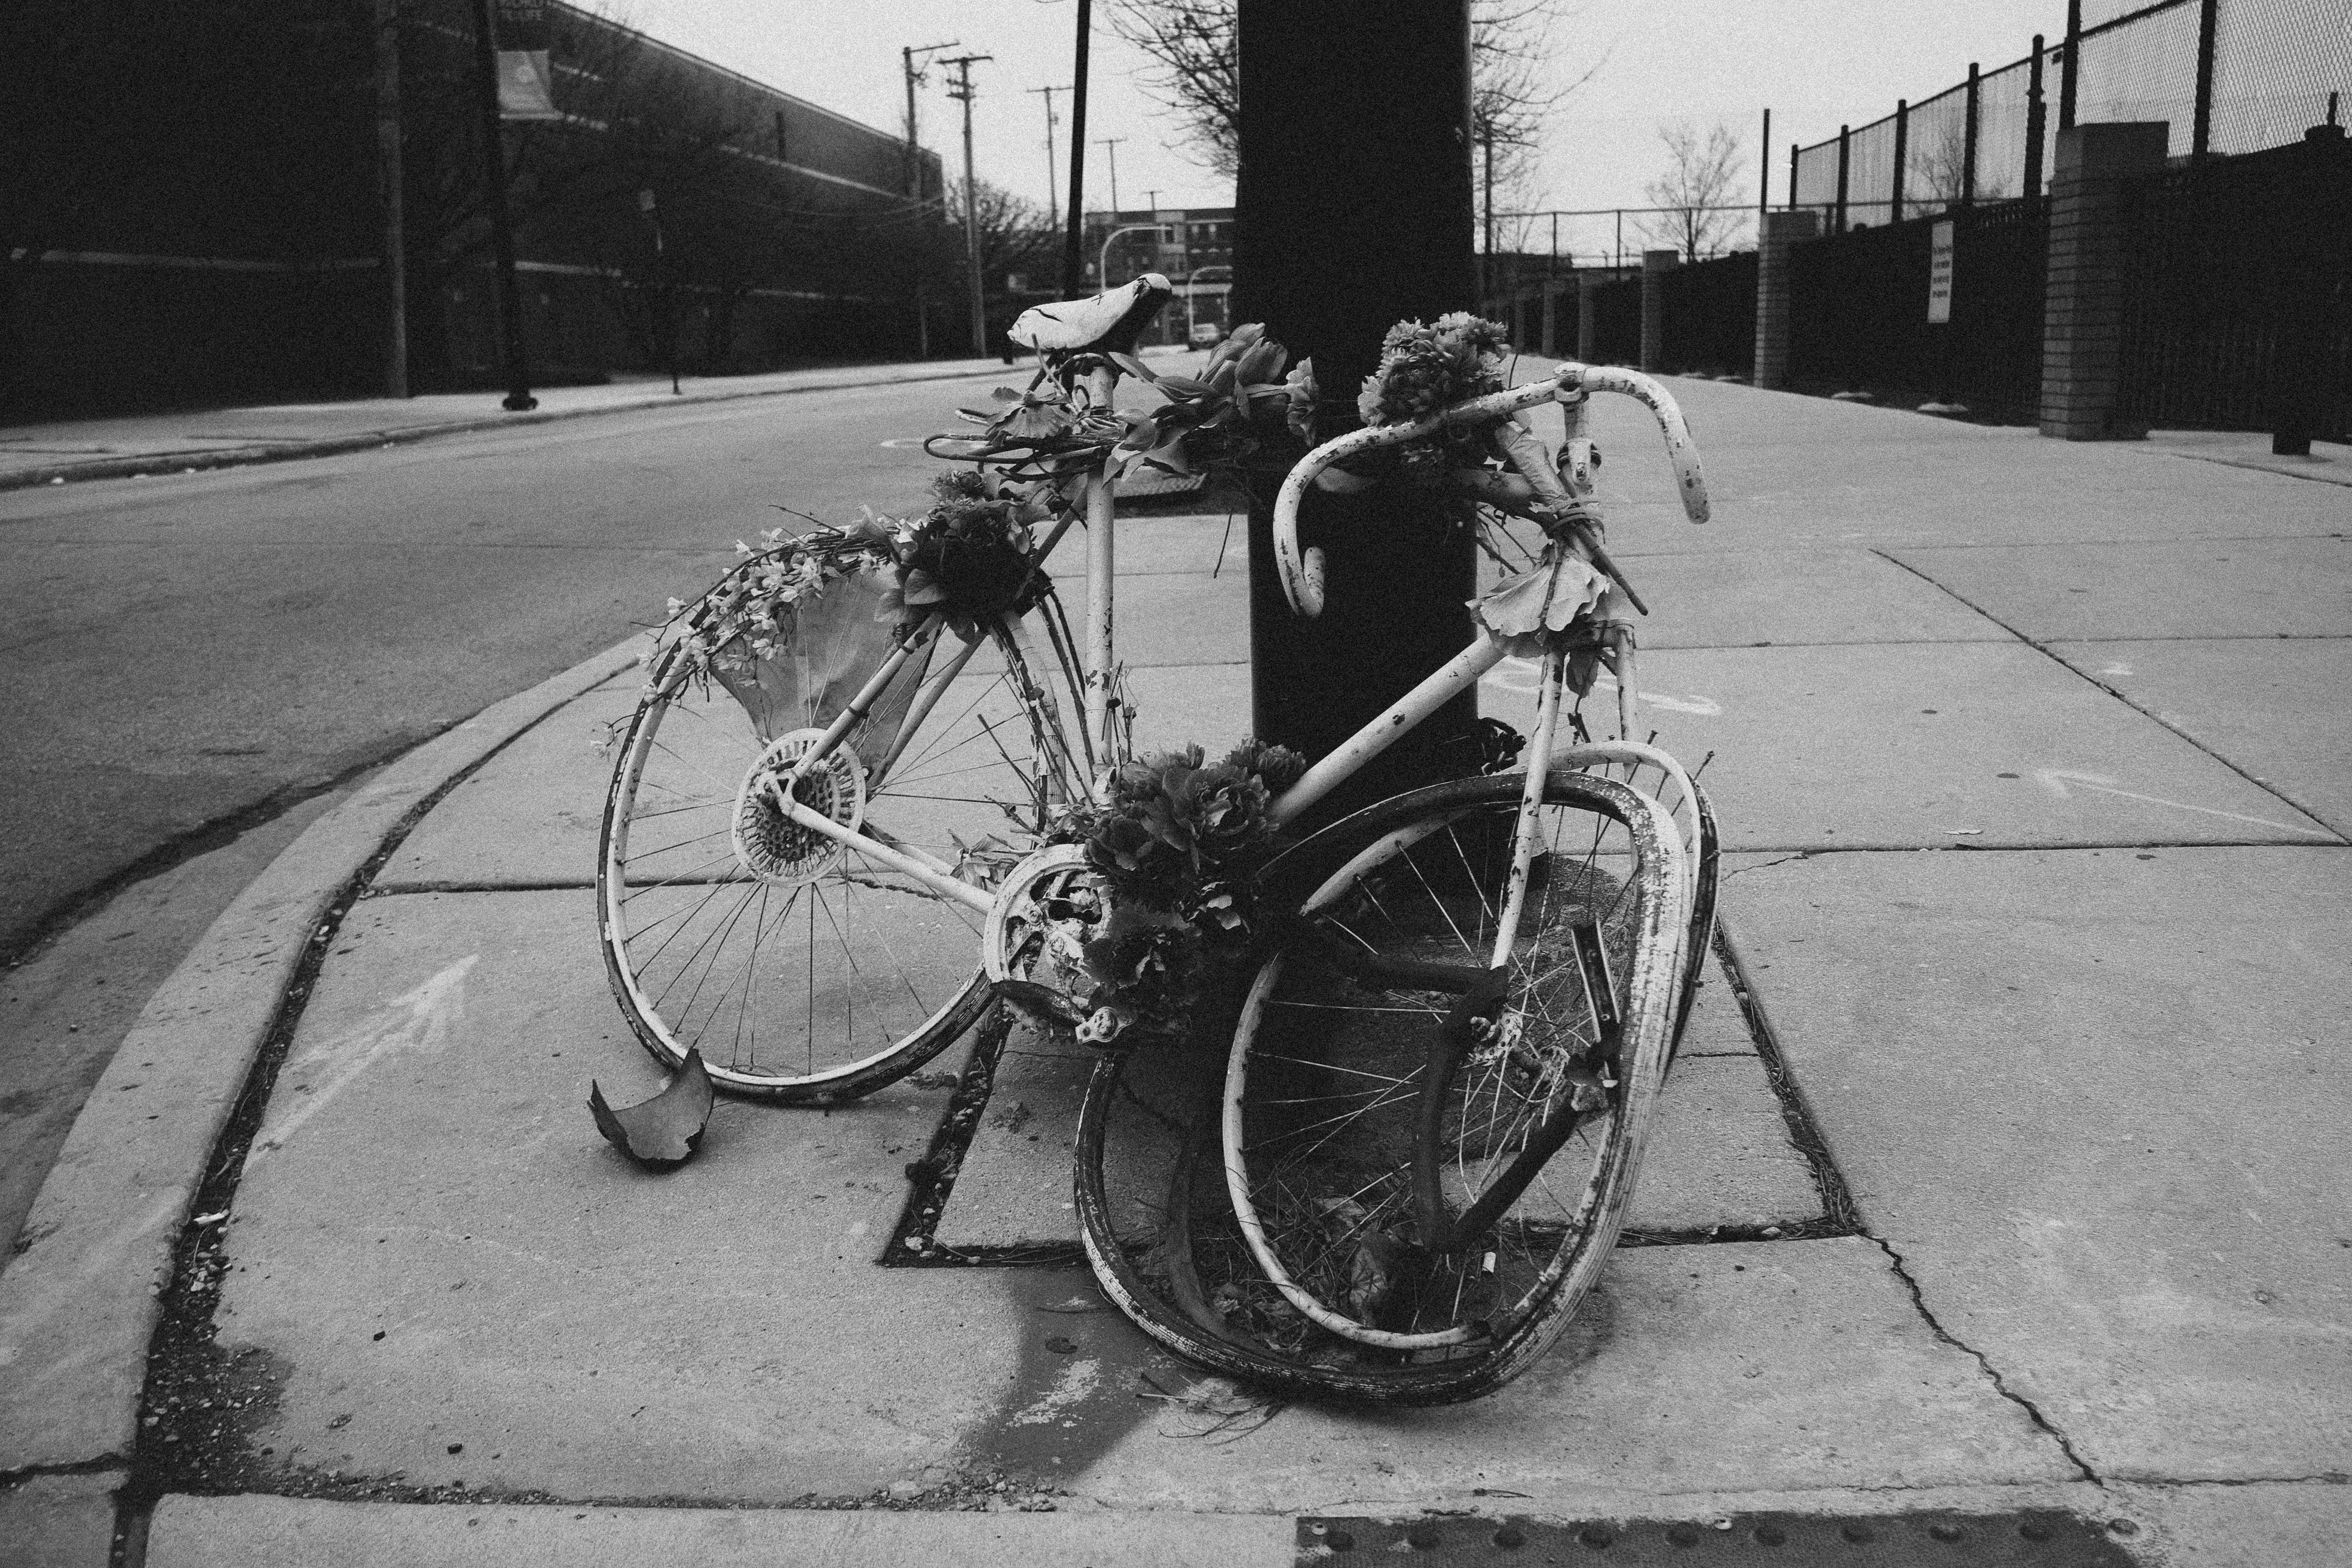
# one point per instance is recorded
(661, 1133)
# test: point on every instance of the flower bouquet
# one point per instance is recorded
(1176, 851)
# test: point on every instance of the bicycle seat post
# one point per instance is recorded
(1102, 384)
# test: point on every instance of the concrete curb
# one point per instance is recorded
(329, 446)
(78, 1306)
(2165, 1524)
(268, 1532)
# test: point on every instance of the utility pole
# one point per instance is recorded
(388, 168)
(1112, 143)
(915, 78)
(1074, 241)
(1053, 200)
(1320, 80)
(962, 91)
(517, 399)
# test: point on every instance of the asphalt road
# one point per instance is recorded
(187, 652)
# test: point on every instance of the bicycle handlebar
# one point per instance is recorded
(1302, 572)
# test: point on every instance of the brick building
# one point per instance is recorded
(197, 215)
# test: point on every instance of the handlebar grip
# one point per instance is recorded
(1680, 451)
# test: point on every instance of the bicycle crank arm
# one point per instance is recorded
(1465, 1228)
(1450, 1043)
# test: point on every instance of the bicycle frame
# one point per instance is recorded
(1302, 577)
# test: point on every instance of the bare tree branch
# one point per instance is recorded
(1515, 83)
(1701, 172)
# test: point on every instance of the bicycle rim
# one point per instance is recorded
(1653, 773)
(1292, 1260)
(819, 978)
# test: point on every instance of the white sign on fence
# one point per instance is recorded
(1939, 273)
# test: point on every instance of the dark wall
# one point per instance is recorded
(196, 191)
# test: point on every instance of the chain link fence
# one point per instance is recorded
(2228, 77)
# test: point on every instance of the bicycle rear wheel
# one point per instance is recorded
(804, 972)
(1270, 1227)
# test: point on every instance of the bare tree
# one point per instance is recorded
(1196, 71)
(1701, 172)
(1196, 76)
(1938, 172)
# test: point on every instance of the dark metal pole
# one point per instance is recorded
(1968, 143)
(1845, 151)
(388, 168)
(1793, 158)
(1074, 243)
(2208, 21)
(1902, 157)
(2072, 69)
(1320, 81)
(2036, 112)
(517, 399)
(1764, 168)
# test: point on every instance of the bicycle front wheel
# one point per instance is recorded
(1379, 1214)
(803, 970)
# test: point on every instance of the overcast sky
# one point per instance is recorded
(1814, 62)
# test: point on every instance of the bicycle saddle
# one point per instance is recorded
(1108, 323)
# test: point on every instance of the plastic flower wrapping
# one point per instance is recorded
(748, 615)
(1177, 847)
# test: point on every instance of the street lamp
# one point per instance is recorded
(1102, 261)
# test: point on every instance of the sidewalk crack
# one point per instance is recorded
(2000, 1384)
(2046, 651)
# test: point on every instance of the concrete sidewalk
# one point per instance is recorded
(2031, 760)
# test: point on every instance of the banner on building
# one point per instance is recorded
(525, 37)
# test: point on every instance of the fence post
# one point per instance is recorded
(1588, 318)
(1845, 147)
(1902, 154)
(1655, 265)
(2305, 388)
(2082, 307)
(2067, 72)
(1793, 150)
(1969, 144)
(1782, 231)
(1551, 297)
(2201, 140)
(2033, 121)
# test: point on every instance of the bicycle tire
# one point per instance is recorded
(882, 973)
(1170, 1246)
(1657, 775)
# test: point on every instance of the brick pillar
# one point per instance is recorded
(1782, 230)
(2082, 317)
(1587, 297)
(1655, 265)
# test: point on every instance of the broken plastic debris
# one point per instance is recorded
(661, 1133)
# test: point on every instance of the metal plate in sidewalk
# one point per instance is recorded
(2035, 1538)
